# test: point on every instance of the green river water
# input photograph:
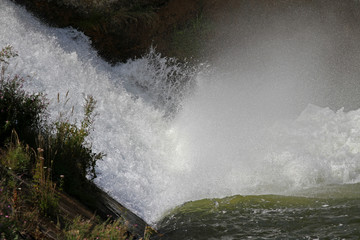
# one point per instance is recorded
(331, 212)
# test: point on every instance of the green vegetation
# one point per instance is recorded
(15, 156)
(21, 216)
(40, 161)
(63, 144)
(188, 41)
(44, 190)
(18, 109)
(108, 16)
(85, 229)
(133, 14)
(15, 217)
(68, 153)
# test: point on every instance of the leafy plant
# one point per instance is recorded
(6, 53)
(69, 152)
(16, 157)
(19, 110)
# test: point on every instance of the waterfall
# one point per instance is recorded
(173, 133)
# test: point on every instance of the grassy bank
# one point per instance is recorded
(45, 165)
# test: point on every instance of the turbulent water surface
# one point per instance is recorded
(174, 134)
(268, 217)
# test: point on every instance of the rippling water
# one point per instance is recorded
(332, 214)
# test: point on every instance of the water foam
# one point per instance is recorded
(132, 126)
(165, 147)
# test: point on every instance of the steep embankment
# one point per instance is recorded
(120, 30)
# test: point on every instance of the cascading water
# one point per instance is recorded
(173, 134)
(131, 128)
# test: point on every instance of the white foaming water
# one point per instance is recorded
(165, 147)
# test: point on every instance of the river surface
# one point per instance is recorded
(333, 214)
(254, 145)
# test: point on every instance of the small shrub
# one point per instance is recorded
(16, 157)
(70, 153)
(6, 53)
(70, 145)
(66, 147)
(19, 110)
(64, 155)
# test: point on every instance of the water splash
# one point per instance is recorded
(134, 100)
(172, 134)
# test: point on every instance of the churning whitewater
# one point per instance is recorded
(168, 142)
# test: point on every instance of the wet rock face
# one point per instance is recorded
(118, 29)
